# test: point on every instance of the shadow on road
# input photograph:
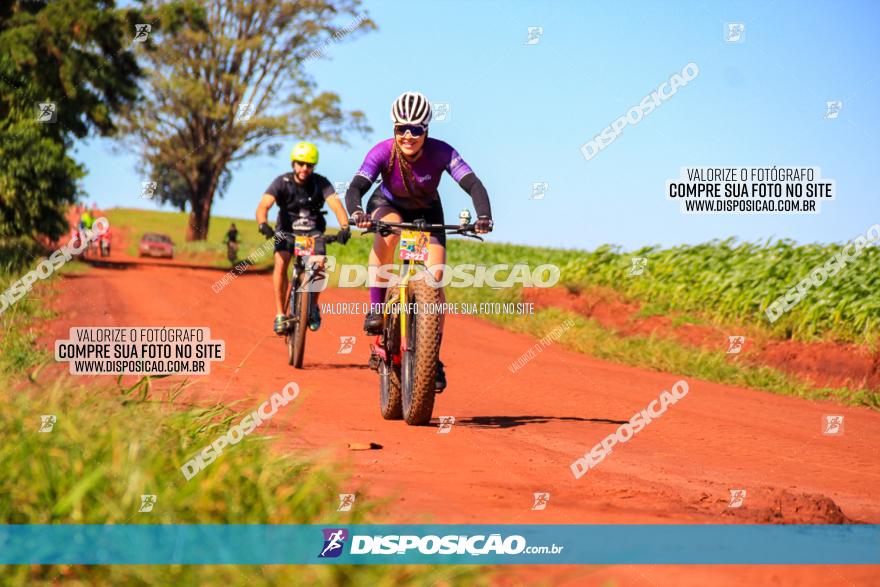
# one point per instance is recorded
(110, 263)
(334, 366)
(511, 421)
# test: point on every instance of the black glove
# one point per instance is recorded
(343, 235)
(361, 219)
(483, 225)
(266, 230)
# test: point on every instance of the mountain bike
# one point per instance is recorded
(104, 243)
(300, 302)
(405, 354)
(232, 251)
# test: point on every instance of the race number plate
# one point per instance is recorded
(414, 245)
(304, 246)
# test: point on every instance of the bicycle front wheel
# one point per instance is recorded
(296, 337)
(419, 361)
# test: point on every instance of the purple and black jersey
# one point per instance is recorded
(436, 157)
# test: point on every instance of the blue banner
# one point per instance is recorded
(439, 544)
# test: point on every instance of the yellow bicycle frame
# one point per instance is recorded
(401, 295)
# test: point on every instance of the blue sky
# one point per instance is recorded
(519, 113)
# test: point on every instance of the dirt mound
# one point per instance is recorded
(780, 506)
(821, 364)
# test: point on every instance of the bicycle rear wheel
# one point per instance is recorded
(389, 373)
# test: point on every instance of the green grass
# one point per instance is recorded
(110, 446)
(681, 319)
(659, 354)
(212, 251)
(18, 332)
(174, 224)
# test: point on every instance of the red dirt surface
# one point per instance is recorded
(517, 434)
(821, 364)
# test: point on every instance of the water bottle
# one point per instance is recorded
(464, 217)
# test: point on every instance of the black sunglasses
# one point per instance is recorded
(309, 165)
(416, 130)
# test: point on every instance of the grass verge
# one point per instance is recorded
(659, 354)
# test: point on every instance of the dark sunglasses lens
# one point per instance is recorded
(414, 130)
(309, 165)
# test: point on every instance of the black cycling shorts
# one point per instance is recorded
(432, 214)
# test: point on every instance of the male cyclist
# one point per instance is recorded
(231, 235)
(300, 195)
(411, 165)
(231, 242)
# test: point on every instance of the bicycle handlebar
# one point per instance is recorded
(326, 238)
(385, 228)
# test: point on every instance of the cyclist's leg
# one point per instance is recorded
(436, 262)
(437, 250)
(382, 252)
(319, 259)
(279, 279)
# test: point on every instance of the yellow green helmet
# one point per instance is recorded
(305, 152)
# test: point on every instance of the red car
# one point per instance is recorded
(156, 245)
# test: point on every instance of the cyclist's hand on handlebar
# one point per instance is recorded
(361, 219)
(266, 230)
(343, 235)
(483, 225)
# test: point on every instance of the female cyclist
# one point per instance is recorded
(411, 165)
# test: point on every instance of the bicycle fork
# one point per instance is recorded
(314, 274)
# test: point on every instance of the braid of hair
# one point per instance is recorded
(404, 167)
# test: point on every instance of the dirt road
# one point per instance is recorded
(516, 434)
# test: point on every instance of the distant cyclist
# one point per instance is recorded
(411, 165)
(86, 222)
(231, 234)
(231, 242)
(300, 196)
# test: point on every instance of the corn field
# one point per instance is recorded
(725, 281)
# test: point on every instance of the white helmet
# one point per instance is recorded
(411, 108)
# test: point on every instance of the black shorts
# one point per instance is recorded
(432, 214)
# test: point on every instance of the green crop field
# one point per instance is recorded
(726, 281)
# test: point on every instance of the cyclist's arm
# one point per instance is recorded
(338, 209)
(477, 191)
(263, 208)
(356, 190)
(462, 173)
(366, 175)
(332, 199)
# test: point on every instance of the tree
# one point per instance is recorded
(228, 85)
(171, 188)
(75, 55)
